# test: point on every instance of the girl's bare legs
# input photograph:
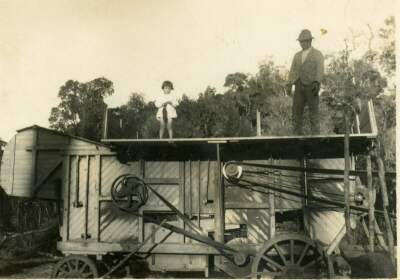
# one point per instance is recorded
(170, 128)
(162, 128)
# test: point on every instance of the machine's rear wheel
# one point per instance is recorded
(290, 256)
(75, 266)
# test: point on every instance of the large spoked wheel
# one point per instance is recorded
(75, 266)
(290, 256)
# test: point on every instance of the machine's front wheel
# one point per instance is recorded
(290, 256)
(75, 266)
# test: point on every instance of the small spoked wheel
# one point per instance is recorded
(75, 266)
(290, 256)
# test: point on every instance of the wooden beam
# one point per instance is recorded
(246, 205)
(385, 201)
(346, 181)
(271, 199)
(45, 178)
(379, 236)
(90, 247)
(97, 188)
(219, 200)
(371, 202)
(66, 183)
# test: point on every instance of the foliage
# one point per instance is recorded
(233, 113)
(388, 55)
(81, 109)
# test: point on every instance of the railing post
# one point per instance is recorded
(371, 202)
(346, 177)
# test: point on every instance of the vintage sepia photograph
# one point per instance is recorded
(198, 139)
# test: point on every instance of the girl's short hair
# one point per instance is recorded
(167, 84)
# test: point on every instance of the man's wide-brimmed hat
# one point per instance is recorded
(305, 34)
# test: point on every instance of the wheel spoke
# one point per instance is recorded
(83, 268)
(303, 253)
(269, 260)
(64, 268)
(312, 262)
(70, 266)
(291, 251)
(278, 249)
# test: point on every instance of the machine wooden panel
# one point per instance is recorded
(77, 214)
(161, 169)
(256, 221)
(117, 226)
(200, 178)
(111, 168)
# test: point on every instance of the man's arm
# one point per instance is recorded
(320, 67)
(291, 78)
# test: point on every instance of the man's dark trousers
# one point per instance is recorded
(303, 95)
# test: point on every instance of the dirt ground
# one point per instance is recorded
(367, 266)
(44, 270)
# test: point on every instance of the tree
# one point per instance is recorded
(81, 109)
(138, 118)
(388, 55)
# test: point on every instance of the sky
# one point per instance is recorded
(139, 44)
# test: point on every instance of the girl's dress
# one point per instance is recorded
(171, 112)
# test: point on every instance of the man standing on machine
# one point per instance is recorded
(306, 74)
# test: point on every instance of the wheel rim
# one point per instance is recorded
(290, 256)
(75, 267)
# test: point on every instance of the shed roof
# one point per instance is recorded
(62, 134)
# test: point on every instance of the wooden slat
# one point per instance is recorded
(182, 194)
(12, 164)
(219, 201)
(66, 196)
(96, 194)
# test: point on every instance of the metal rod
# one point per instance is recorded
(335, 242)
(151, 236)
(77, 203)
(313, 170)
(310, 198)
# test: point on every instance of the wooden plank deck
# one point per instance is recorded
(246, 148)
